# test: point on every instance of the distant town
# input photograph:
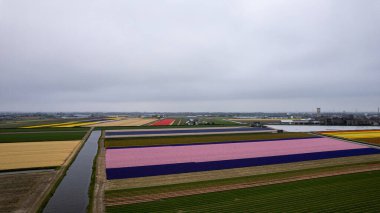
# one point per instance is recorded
(205, 118)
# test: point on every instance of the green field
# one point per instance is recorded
(30, 122)
(349, 193)
(167, 140)
(45, 129)
(41, 136)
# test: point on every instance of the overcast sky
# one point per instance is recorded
(268, 55)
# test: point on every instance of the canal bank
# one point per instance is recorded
(72, 193)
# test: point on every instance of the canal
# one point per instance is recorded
(72, 193)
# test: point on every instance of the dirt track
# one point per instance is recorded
(158, 196)
(100, 180)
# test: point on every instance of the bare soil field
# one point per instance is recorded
(125, 122)
(21, 190)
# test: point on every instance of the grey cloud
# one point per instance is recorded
(189, 55)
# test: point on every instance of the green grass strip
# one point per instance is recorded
(357, 192)
(91, 188)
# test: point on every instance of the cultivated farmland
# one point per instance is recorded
(353, 192)
(143, 170)
(125, 122)
(163, 122)
(19, 192)
(164, 160)
(34, 122)
(35, 154)
(184, 131)
(32, 161)
(41, 136)
(199, 139)
(250, 120)
(43, 130)
(367, 136)
(193, 177)
(69, 124)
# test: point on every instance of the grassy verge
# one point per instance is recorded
(228, 181)
(354, 192)
(93, 178)
(167, 140)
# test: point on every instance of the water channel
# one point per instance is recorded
(72, 193)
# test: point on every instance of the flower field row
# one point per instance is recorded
(163, 122)
(227, 174)
(366, 136)
(164, 160)
(35, 154)
(355, 134)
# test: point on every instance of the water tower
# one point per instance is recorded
(318, 112)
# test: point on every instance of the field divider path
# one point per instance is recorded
(100, 179)
(166, 195)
